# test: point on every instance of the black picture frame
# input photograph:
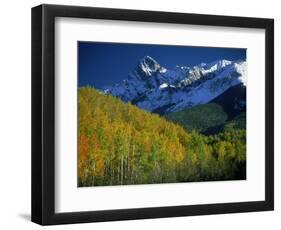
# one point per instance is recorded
(43, 114)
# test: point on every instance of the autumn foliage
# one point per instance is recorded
(121, 144)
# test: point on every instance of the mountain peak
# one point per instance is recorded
(149, 65)
(151, 87)
(148, 59)
(219, 63)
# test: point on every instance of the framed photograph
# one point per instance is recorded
(142, 114)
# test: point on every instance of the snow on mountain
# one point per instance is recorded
(241, 69)
(157, 89)
(149, 66)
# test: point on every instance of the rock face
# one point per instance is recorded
(154, 88)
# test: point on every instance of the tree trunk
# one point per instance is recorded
(122, 162)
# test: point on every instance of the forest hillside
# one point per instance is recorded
(119, 143)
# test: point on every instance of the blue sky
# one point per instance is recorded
(102, 64)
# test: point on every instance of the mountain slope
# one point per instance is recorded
(225, 112)
(200, 117)
(232, 100)
(157, 89)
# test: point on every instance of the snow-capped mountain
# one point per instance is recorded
(155, 88)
